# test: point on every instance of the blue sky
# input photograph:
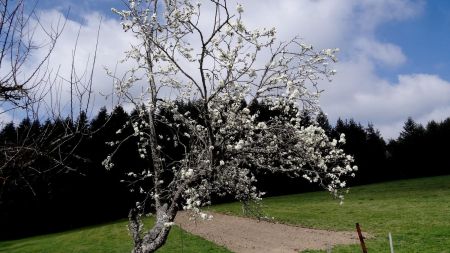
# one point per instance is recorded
(394, 61)
(425, 39)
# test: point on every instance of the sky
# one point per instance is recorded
(394, 58)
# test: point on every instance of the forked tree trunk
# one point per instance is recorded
(156, 236)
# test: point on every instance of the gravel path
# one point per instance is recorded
(244, 235)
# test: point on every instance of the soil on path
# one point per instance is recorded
(244, 235)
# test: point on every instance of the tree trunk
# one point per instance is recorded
(157, 235)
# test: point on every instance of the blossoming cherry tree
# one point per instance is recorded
(203, 54)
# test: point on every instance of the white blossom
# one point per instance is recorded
(224, 138)
(240, 8)
(169, 224)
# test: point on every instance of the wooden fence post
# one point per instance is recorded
(361, 238)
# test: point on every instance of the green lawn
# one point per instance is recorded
(111, 238)
(416, 212)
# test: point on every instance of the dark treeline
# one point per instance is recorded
(83, 192)
(418, 151)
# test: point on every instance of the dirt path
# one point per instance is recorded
(244, 235)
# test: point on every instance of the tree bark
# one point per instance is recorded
(157, 235)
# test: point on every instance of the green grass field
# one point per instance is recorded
(110, 238)
(416, 212)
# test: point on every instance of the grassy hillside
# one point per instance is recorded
(416, 212)
(111, 238)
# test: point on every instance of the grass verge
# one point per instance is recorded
(111, 238)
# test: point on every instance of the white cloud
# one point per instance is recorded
(112, 44)
(358, 91)
(383, 53)
(387, 105)
(369, 14)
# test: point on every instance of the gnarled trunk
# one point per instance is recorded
(157, 235)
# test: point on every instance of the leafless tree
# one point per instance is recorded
(23, 81)
(31, 88)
